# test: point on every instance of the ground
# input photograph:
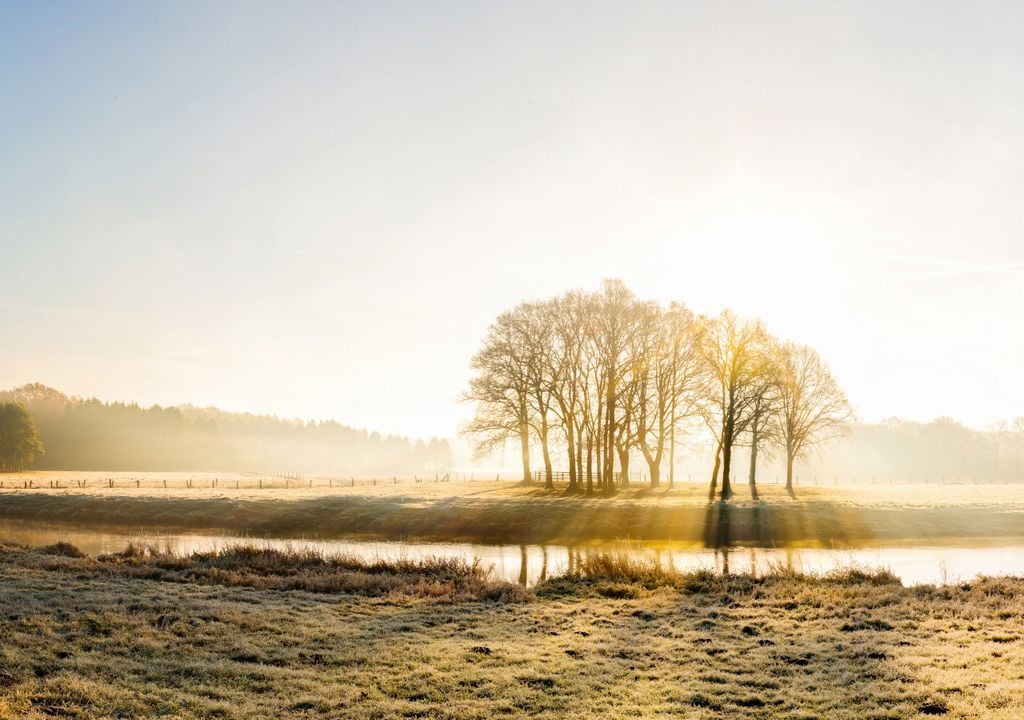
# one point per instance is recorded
(506, 512)
(81, 641)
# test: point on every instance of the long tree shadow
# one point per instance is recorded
(766, 525)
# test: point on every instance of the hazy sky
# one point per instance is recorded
(315, 209)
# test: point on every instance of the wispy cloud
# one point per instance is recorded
(934, 266)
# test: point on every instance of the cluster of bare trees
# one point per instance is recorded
(600, 377)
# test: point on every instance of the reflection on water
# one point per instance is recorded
(530, 564)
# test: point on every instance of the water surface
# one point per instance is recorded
(529, 564)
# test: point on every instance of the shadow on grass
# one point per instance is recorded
(538, 518)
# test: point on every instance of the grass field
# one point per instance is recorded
(138, 636)
(504, 512)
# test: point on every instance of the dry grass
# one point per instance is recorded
(271, 569)
(620, 640)
(684, 493)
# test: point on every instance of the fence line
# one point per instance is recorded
(283, 481)
(243, 481)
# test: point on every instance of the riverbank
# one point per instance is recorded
(503, 512)
(612, 641)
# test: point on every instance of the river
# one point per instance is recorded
(529, 564)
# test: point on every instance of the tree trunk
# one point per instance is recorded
(624, 465)
(609, 454)
(590, 465)
(753, 464)
(573, 479)
(579, 459)
(653, 463)
(524, 442)
(671, 453)
(789, 472)
(549, 482)
(726, 469)
(714, 474)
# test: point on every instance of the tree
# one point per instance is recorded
(614, 327)
(666, 368)
(535, 340)
(763, 409)
(611, 377)
(19, 439)
(733, 350)
(813, 409)
(567, 371)
(501, 389)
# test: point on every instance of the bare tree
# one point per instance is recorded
(764, 408)
(666, 367)
(534, 337)
(732, 350)
(567, 372)
(614, 376)
(813, 409)
(613, 327)
(500, 389)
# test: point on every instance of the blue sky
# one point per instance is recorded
(314, 209)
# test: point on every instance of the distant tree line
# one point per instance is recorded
(87, 434)
(902, 450)
(598, 377)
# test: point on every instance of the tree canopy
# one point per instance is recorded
(19, 440)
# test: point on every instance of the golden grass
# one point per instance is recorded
(294, 569)
(511, 513)
(427, 491)
(616, 641)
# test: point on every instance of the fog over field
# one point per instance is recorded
(317, 214)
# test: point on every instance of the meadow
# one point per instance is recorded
(508, 512)
(257, 632)
(254, 634)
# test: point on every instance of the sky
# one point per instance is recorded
(315, 209)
